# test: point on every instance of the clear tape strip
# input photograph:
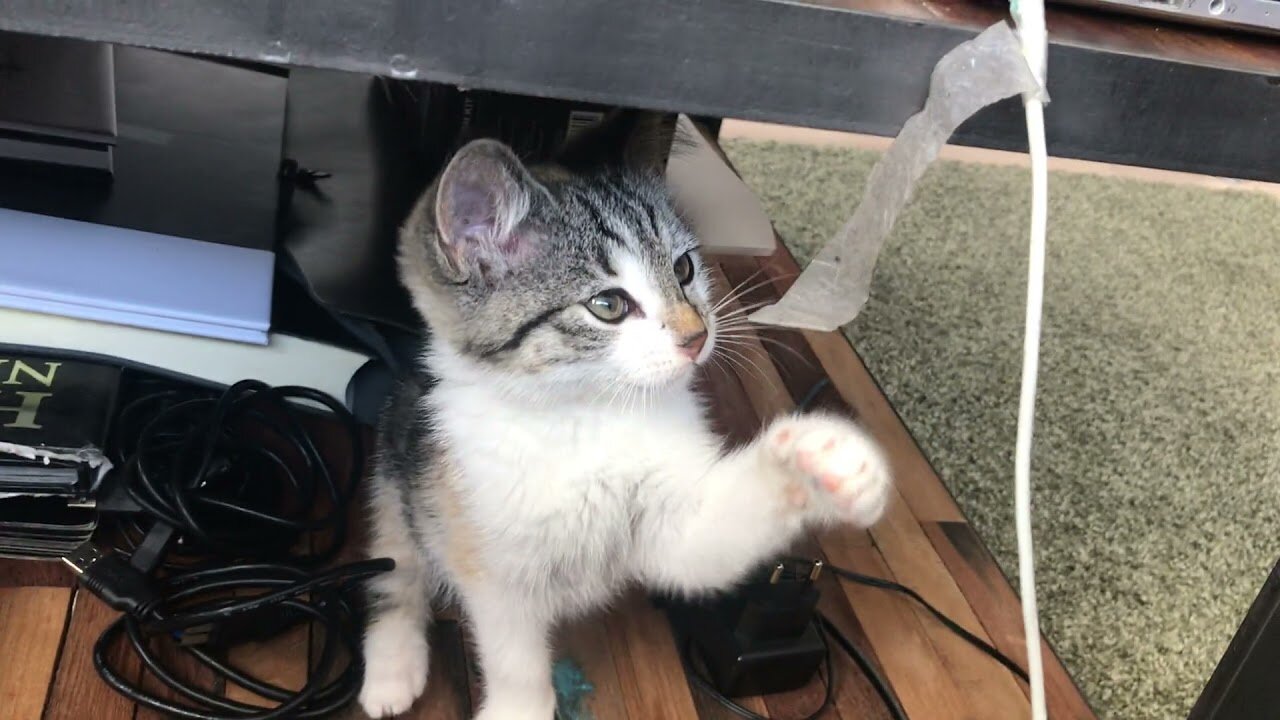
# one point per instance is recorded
(835, 286)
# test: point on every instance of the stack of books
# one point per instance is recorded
(55, 420)
(182, 237)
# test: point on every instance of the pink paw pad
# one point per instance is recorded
(835, 459)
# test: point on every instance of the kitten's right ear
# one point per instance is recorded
(635, 139)
(482, 203)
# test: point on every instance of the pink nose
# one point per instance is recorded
(692, 345)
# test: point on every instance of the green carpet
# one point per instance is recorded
(1157, 457)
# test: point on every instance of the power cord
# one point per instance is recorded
(205, 612)
(235, 474)
(1029, 16)
(234, 492)
(868, 669)
(947, 622)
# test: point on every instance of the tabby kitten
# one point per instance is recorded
(550, 451)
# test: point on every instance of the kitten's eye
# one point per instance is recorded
(610, 306)
(684, 269)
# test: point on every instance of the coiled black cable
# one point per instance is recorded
(238, 475)
(241, 511)
(197, 613)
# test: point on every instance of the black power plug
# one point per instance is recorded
(760, 639)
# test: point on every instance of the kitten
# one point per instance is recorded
(550, 452)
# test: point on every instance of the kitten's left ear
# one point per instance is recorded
(482, 207)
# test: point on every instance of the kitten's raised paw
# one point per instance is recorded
(839, 461)
(395, 671)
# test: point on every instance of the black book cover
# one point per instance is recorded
(55, 416)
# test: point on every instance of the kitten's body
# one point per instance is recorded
(545, 459)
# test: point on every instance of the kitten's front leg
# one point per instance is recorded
(395, 641)
(705, 533)
(512, 639)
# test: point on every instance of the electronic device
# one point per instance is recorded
(1256, 15)
(57, 101)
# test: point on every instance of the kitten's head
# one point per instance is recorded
(577, 273)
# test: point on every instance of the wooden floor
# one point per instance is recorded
(47, 628)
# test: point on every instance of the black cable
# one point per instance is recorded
(236, 474)
(205, 611)
(705, 685)
(947, 622)
(868, 669)
(240, 514)
(812, 394)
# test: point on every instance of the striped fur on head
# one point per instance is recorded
(501, 258)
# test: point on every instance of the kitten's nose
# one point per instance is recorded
(691, 345)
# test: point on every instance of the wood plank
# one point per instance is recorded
(904, 551)
(998, 608)
(34, 573)
(991, 690)
(798, 367)
(183, 665)
(907, 551)
(282, 661)
(32, 620)
(918, 676)
(648, 664)
(729, 404)
(586, 642)
(801, 702)
(286, 659)
(711, 709)
(753, 365)
(460, 655)
(856, 698)
(77, 691)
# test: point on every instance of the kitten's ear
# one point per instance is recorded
(636, 139)
(482, 205)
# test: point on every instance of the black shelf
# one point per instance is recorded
(770, 60)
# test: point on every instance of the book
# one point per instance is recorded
(283, 360)
(74, 268)
(44, 527)
(55, 416)
(55, 424)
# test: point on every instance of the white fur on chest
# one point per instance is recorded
(567, 481)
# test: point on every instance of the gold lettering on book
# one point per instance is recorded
(20, 368)
(27, 411)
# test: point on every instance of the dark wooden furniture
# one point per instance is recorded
(1124, 90)
(1246, 683)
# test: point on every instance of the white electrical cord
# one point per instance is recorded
(1029, 15)
(1027, 405)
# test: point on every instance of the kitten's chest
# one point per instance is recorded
(568, 485)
